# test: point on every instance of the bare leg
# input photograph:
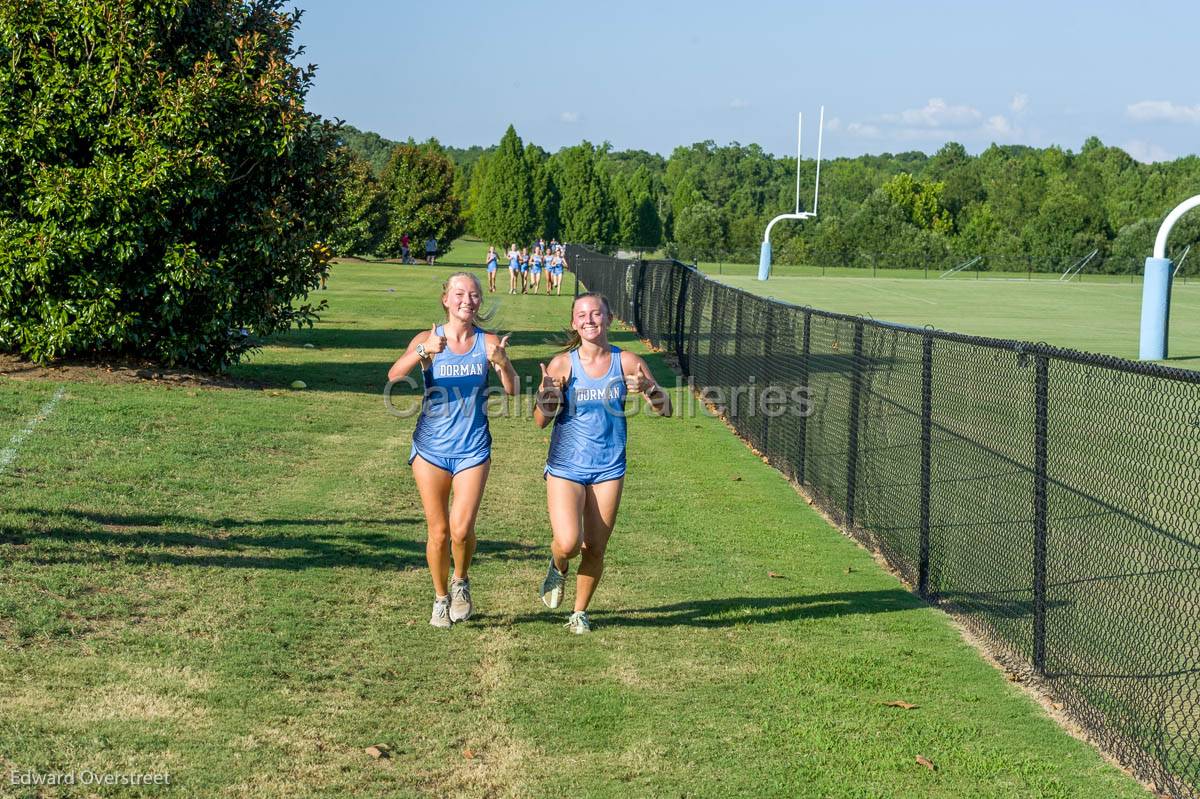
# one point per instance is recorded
(434, 486)
(564, 499)
(600, 506)
(468, 491)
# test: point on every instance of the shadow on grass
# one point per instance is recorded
(370, 376)
(736, 611)
(387, 544)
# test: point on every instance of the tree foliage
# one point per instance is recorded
(1030, 207)
(418, 183)
(362, 217)
(164, 187)
(505, 212)
(587, 212)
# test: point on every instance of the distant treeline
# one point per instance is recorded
(1025, 207)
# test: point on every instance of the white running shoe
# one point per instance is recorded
(578, 623)
(460, 600)
(552, 586)
(441, 613)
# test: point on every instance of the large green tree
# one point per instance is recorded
(587, 211)
(700, 232)
(419, 185)
(163, 187)
(505, 212)
(362, 218)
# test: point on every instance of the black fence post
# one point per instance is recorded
(639, 279)
(680, 307)
(1041, 424)
(926, 453)
(852, 444)
(768, 344)
(802, 449)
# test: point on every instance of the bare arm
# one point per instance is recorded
(639, 379)
(549, 398)
(497, 350)
(405, 363)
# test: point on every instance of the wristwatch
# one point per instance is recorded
(422, 353)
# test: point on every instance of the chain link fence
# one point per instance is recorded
(1050, 498)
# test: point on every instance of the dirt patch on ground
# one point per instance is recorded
(114, 372)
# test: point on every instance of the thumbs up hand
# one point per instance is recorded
(497, 354)
(551, 384)
(433, 342)
(639, 382)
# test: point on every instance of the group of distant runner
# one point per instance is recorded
(525, 267)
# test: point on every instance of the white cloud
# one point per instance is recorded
(859, 129)
(569, 116)
(998, 126)
(1020, 102)
(834, 124)
(738, 102)
(1145, 152)
(936, 114)
(1163, 110)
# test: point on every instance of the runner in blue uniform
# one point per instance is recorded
(514, 268)
(451, 450)
(492, 262)
(583, 391)
(524, 269)
(562, 264)
(555, 273)
(535, 269)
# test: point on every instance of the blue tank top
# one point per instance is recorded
(514, 261)
(453, 421)
(491, 261)
(589, 431)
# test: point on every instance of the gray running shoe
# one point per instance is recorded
(578, 623)
(441, 613)
(552, 586)
(460, 600)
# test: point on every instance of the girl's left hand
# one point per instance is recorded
(640, 382)
(497, 354)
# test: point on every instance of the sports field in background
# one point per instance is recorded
(1093, 313)
(228, 585)
(1091, 316)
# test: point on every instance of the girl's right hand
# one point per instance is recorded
(551, 385)
(433, 342)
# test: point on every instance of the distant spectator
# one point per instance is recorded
(404, 249)
(430, 250)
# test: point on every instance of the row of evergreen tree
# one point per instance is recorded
(1021, 207)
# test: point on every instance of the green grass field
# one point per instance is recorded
(228, 584)
(1098, 313)
(1091, 316)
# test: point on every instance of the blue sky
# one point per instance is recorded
(655, 75)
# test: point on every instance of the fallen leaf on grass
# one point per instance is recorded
(901, 703)
(926, 762)
(378, 751)
(849, 570)
(737, 478)
(776, 575)
(468, 754)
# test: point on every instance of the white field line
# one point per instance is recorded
(892, 290)
(9, 453)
